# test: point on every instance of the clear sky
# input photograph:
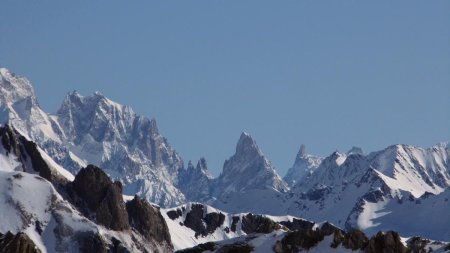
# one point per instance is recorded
(330, 74)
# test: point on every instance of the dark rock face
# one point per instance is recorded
(297, 224)
(234, 223)
(297, 240)
(174, 214)
(417, 244)
(385, 243)
(10, 141)
(309, 237)
(18, 243)
(209, 246)
(24, 149)
(196, 220)
(91, 242)
(354, 240)
(258, 224)
(147, 220)
(95, 195)
(236, 248)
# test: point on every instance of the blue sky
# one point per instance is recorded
(330, 74)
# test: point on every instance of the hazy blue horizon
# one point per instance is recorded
(328, 74)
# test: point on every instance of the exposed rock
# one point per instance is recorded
(297, 224)
(238, 247)
(258, 224)
(17, 243)
(234, 223)
(255, 171)
(386, 243)
(203, 224)
(91, 242)
(307, 238)
(209, 246)
(24, 149)
(174, 214)
(297, 240)
(94, 194)
(147, 220)
(354, 240)
(417, 244)
(195, 182)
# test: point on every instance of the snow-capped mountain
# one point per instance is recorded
(127, 146)
(95, 130)
(254, 169)
(352, 190)
(247, 176)
(361, 186)
(304, 166)
(19, 107)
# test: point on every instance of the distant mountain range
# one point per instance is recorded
(353, 190)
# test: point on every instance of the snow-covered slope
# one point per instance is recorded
(195, 223)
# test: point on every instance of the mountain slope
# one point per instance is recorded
(45, 202)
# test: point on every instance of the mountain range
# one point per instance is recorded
(370, 192)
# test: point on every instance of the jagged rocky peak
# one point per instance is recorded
(14, 88)
(303, 167)
(247, 145)
(195, 181)
(302, 152)
(202, 166)
(248, 169)
(92, 114)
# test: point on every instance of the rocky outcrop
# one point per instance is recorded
(147, 220)
(28, 154)
(417, 244)
(203, 224)
(353, 240)
(99, 198)
(258, 224)
(389, 242)
(17, 243)
(295, 241)
(209, 246)
(297, 224)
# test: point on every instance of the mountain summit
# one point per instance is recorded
(248, 169)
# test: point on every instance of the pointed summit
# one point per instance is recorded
(14, 88)
(302, 151)
(303, 167)
(247, 170)
(247, 145)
